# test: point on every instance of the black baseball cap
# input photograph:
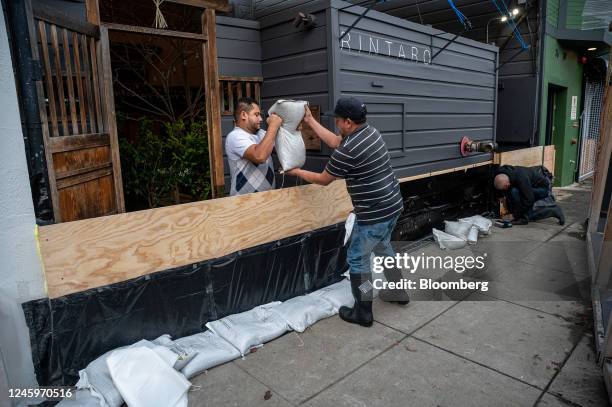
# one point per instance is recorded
(350, 108)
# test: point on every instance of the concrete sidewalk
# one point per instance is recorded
(503, 347)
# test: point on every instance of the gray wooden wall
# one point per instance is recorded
(238, 54)
(423, 108)
(295, 65)
(518, 82)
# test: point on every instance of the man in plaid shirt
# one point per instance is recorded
(249, 149)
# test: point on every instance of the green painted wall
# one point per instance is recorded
(561, 68)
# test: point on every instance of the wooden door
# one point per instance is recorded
(77, 116)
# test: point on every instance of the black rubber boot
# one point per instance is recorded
(394, 296)
(549, 212)
(361, 313)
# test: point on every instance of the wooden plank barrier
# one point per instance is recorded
(528, 157)
(96, 252)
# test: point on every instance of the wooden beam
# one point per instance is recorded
(213, 104)
(96, 252)
(93, 11)
(81, 177)
(219, 5)
(53, 16)
(153, 31)
(108, 101)
(78, 142)
(240, 78)
(447, 171)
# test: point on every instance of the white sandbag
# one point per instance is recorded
(250, 329)
(184, 356)
(338, 294)
(291, 111)
(290, 149)
(484, 225)
(82, 398)
(446, 241)
(303, 311)
(472, 237)
(457, 229)
(348, 227)
(289, 143)
(210, 350)
(97, 380)
(144, 379)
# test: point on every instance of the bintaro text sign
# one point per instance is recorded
(355, 41)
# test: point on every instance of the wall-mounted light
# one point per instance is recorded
(515, 12)
(504, 19)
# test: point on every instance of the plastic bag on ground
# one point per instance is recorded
(457, 229)
(338, 294)
(303, 311)
(250, 329)
(446, 241)
(210, 350)
(483, 224)
(289, 144)
(145, 379)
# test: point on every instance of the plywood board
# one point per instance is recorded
(96, 252)
(525, 157)
(549, 158)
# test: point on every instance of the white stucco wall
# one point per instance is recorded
(21, 277)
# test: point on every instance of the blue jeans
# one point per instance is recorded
(538, 193)
(366, 239)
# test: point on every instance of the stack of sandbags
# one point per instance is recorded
(466, 230)
(250, 329)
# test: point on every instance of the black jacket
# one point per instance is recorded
(524, 179)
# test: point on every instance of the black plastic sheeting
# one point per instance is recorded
(67, 333)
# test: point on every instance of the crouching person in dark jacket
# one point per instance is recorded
(523, 186)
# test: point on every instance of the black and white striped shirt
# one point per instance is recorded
(363, 160)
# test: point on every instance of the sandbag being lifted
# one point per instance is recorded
(289, 145)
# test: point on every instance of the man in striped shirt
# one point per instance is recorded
(362, 159)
